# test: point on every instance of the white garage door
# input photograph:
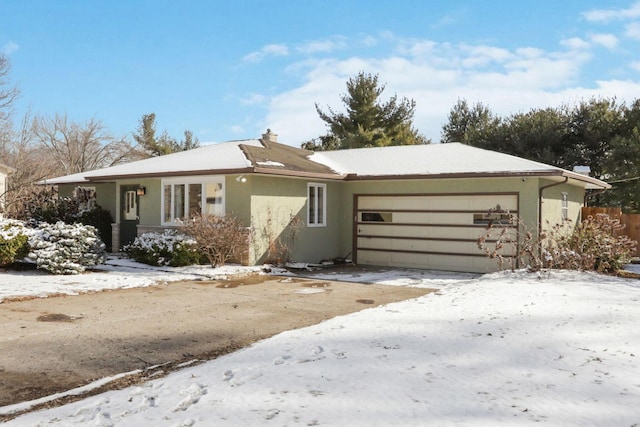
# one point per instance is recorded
(431, 231)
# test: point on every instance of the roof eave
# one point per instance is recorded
(454, 175)
(590, 182)
(109, 178)
(300, 174)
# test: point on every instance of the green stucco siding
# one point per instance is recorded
(552, 203)
(279, 221)
(105, 194)
(149, 204)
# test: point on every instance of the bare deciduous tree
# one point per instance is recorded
(8, 94)
(30, 163)
(79, 147)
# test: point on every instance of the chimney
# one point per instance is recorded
(270, 136)
(582, 170)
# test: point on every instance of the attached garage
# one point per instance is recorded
(438, 231)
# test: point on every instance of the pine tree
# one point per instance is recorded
(164, 144)
(368, 122)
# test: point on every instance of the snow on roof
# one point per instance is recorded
(431, 159)
(219, 156)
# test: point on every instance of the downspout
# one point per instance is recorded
(595, 193)
(544, 187)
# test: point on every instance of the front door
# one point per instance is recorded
(129, 214)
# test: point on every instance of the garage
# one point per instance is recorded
(433, 231)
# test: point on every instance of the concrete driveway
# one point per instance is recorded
(55, 344)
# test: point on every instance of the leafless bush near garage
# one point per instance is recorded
(595, 244)
(220, 238)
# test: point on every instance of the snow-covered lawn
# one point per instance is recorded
(117, 273)
(501, 349)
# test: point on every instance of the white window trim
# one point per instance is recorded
(324, 204)
(202, 180)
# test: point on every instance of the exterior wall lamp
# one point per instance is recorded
(241, 178)
(141, 191)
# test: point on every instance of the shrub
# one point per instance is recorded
(219, 238)
(14, 241)
(44, 205)
(596, 244)
(169, 248)
(66, 248)
(101, 219)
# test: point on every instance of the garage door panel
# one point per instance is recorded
(426, 231)
(426, 238)
(433, 217)
(431, 261)
(415, 245)
(439, 202)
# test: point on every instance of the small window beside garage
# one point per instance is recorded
(316, 205)
(565, 206)
(376, 216)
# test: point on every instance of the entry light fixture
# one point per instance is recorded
(141, 191)
(241, 178)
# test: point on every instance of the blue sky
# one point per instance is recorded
(230, 70)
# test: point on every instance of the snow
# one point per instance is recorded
(117, 273)
(560, 348)
(270, 163)
(436, 159)
(210, 157)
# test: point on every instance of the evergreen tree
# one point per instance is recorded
(164, 144)
(599, 133)
(475, 125)
(367, 122)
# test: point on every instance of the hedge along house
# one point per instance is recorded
(420, 206)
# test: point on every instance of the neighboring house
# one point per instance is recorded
(418, 206)
(4, 172)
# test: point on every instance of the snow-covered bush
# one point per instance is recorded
(169, 248)
(14, 241)
(66, 248)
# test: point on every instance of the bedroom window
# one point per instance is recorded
(316, 205)
(565, 206)
(185, 198)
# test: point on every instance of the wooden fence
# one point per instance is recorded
(631, 221)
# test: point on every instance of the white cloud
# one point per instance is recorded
(480, 56)
(368, 41)
(9, 48)
(575, 43)
(633, 30)
(635, 65)
(267, 51)
(322, 46)
(608, 15)
(436, 75)
(606, 40)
